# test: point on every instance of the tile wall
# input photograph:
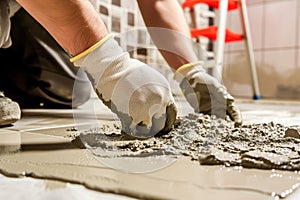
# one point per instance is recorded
(275, 27)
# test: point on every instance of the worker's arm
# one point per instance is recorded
(169, 31)
(73, 23)
(139, 95)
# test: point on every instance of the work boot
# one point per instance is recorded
(9, 111)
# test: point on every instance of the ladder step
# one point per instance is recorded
(232, 4)
(211, 33)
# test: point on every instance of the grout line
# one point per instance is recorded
(263, 31)
(297, 33)
(43, 134)
(267, 49)
(272, 1)
(53, 127)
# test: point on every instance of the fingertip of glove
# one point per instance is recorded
(171, 112)
(238, 123)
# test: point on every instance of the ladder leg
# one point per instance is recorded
(193, 14)
(217, 71)
(249, 47)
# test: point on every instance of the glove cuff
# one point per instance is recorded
(187, 70)
(76, 58)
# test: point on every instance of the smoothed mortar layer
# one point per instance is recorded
(181, 180)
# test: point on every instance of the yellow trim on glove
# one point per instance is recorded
(189, 65)
(92, 48)
(185, 67)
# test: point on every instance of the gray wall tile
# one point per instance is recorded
(280, 24)
(278, 70)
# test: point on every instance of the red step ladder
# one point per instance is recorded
(222, 35)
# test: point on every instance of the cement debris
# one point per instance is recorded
(209, 140)
(9, 111)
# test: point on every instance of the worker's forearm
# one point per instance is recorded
(171, 33)
(73, 23)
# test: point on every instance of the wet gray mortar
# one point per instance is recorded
(206, 139)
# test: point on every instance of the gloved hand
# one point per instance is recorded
(138, 94)
(205, 94)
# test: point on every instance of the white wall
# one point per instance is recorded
(275, 26)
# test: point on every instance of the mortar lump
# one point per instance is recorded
(208, 140)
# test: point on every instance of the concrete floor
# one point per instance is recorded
(46, 127)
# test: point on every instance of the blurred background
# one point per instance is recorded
(275, 30)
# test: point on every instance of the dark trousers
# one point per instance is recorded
(36, 71)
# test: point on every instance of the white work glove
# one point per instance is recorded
(205, 94)
(138, 94)
(7, 10)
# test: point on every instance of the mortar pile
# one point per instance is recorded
(208, 140)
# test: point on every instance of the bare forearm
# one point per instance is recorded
(169, 31)
(73, 23)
